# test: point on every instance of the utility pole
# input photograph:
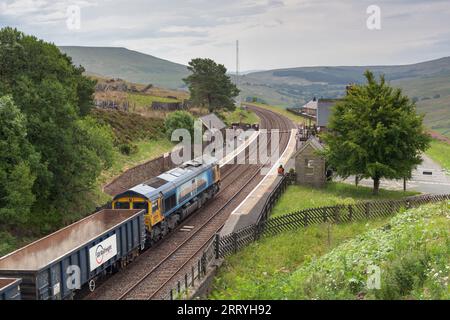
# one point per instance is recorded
(237, 73)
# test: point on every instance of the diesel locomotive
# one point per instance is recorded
(172, 196)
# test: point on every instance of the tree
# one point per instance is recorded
(55, 97)
(210, 86)
(19, 164)
(375, 132)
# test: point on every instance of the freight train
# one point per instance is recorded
(60, 264)
(172, 196)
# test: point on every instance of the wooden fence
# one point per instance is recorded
(232, 243)
(220, 247)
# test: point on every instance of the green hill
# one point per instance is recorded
(427, 82)
(128, 65)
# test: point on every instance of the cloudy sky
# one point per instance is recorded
(272, 33)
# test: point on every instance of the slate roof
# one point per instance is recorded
(211, 121)
(313, 142)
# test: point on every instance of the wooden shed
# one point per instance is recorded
(309, 165)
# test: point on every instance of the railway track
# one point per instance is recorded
(157, 269)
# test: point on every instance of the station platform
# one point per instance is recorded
(248, 211)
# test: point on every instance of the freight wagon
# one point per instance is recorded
(58, 265)
(10, 289)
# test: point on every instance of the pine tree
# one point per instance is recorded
(210, 85)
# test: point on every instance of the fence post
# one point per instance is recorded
(186, 281)
(235, 244)
(204, 263)
(171, 294)
(350, 212)
(305, 219)
(193, 276)
(324, 214)
(336, 214)
(255, 232)
(217, 245)
(367, 210)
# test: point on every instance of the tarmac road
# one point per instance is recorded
(438, 182)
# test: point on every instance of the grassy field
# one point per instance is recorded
(433, 95)
(145, 100)
(440, 152)
(300, 197)
(129, 65)
(239, 115)
(256, 271)
(330, 261)
(146, 150)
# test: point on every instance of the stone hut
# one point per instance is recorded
(309, 166)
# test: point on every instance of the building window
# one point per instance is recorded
(309, 167)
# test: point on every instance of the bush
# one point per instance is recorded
(7, 243)
(179, 120)
(127, 149)
(402, 275)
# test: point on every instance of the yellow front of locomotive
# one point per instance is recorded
(152, 208)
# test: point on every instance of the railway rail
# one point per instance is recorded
(157, 268)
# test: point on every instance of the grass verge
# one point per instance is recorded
(257, 270)
(301, 197)
(145, 151)
(439, 151)
(239, 116)
(412, 250)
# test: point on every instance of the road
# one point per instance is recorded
(438, 182)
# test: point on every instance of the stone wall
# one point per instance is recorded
(310, 168)
(139, 174)
(169, 106)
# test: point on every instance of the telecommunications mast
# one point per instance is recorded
(237, 73)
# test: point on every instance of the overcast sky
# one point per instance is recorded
(272, 33)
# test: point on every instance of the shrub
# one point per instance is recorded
(179, 120)
(127, 149)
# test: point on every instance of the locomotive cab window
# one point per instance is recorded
(170, 202)
(155, 206)
(122, 205)
(140, 205)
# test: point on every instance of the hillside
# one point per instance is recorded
(428, 83)
(129, 65)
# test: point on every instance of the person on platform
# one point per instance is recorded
(281, 170)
